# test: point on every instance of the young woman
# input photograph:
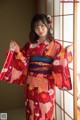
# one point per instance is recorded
(40, 65)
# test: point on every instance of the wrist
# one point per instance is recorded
(19, 53)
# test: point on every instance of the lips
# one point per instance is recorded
(40, 33)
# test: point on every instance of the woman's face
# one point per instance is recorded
(41, 30)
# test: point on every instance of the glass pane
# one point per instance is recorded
(60, 28)
(58, 113)
(78, 91)
(78, 39)
(71, 73)
(68, 28)
(50, 7)
(56, 7)
(67, 117)
(69, 104)
(78, 84)
(57, 27)
(78, 62)
(58, 96)
(62, 115)
(66, 43)
(68, 8)
(61, 99)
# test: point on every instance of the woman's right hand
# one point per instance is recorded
(14, 46)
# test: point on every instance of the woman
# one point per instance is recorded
(40, 65)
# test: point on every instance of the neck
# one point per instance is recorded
(42, 39)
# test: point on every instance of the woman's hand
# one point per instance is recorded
(14, 46)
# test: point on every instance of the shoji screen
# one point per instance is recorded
(64, 15)
(63, 31)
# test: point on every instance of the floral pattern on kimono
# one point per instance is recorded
(39, 86)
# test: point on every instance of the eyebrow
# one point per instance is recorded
(39, 24)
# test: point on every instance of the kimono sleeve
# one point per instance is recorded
(60, 69)
(14, 69)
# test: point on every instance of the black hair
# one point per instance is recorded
(33, 37)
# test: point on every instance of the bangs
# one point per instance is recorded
(37, 20)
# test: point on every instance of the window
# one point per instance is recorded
(66, 17)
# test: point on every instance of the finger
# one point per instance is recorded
(15, 43)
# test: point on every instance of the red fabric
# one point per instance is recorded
(39, 89)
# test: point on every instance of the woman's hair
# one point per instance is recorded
(33, 37)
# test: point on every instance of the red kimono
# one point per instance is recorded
(45, 66)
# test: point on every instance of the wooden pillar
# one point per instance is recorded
(75, 57)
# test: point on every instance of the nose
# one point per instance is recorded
(40, 29)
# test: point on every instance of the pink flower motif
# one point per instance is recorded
(63, 62)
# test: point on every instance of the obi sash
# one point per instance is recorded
(40, 64)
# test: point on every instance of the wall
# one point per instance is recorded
(15, 18)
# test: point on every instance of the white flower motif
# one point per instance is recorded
(48, 16)
(25, 103)
(10, 67)
(32, 45)
(28, 111)
(69, 48)
(63, 62)
(4, 70)
(64, 88)
(15, 74)
(37, 114)
(36, 103)
(24, 61)
(56, 62)
(12, 48)
(46, 42)
(6, 78)
(51, 91)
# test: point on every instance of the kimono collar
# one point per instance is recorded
(45, 42)
(33, 45)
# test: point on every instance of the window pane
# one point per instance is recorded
(67, 117)
(78, 39)
(56, 7)
(78, 84)
(69, 104)
(57, 27)
(68, 8)
(58, 96)
(71, 73)
(58, 112)
(68, 28)
(62, 115)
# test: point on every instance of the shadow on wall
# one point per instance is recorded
(15, 18)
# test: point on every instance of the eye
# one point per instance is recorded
(42, 25)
